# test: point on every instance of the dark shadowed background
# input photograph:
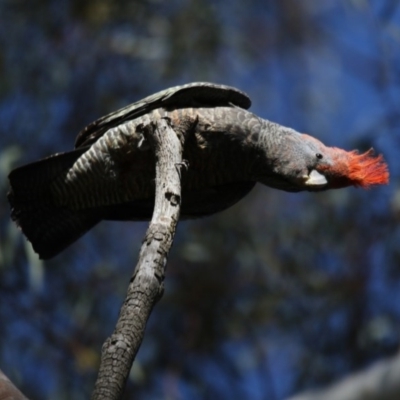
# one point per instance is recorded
(280, 293)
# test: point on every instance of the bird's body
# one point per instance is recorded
(111, 174)
(120, 168)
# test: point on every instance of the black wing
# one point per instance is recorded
(197, 94)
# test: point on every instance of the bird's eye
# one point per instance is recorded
(319, 156)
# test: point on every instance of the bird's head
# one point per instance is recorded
(305, 163)
(341, 168)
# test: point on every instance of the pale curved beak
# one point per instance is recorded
(315, 179)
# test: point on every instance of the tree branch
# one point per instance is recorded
(8, 391)
(379, 382)
(146, 285)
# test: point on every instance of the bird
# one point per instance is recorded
(110, 175)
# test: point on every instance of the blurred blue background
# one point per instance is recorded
(282, 292)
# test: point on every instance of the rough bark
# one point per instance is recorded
(379, 382)
(8, 391)
(146, 285)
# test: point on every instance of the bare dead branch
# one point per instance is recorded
(8, 391)
(380, 382)
(146, 286)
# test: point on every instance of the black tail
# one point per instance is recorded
(49, 228)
